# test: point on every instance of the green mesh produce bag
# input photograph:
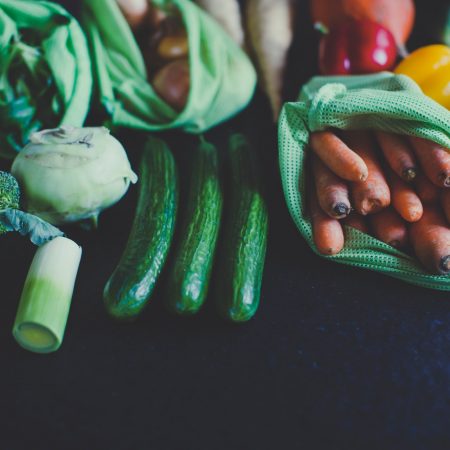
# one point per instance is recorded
(382, 101)
(222, 77)
(45, 71)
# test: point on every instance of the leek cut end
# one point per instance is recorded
(36, 338)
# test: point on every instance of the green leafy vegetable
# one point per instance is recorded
(9, 191)
(39, 231)
(12, 219)
(9, 196)
(26, 82)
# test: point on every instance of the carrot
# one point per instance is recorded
(332, 192)
(372, 194)
(434, 159)
(335, 154)
(430, 237)
(389, 227)
(357, 221)
(426, 190)
(399, 155)
(445, 203)
(228, 14)
(270, 31)
(134, 11)
(327, 232)
(404, 199)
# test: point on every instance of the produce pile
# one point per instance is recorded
(353, 149)
(91, 171)
(400, 183)
(171, 67)
(386, 185)
(362, 149)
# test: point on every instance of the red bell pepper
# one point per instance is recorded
(357, 47)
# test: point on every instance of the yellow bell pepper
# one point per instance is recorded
(429, 67)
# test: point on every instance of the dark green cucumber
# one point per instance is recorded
(244, 237)
(193, 257)
(132, 282)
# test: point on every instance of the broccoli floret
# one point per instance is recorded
(9, 195)
(9, 191)
(13, 219)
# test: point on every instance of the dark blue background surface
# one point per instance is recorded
(336, 358)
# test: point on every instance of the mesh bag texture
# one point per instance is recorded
(382, 101)
(222, 77)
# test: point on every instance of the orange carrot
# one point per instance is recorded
(390, 228)
(335, 154)
(357, 221)
(327, 232)
(426, 190)
(399, 155)
(445, 203)
(430, 237)
(372, 194)
(434, 159)
(331, 191)
(404, 199)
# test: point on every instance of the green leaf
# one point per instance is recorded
(29, 98)
(39, 231)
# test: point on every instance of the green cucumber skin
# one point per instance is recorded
(129, 288)
(193, 259)
(245, 237)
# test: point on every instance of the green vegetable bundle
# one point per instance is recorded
(393, 103)
(222, 77)
(45, 74)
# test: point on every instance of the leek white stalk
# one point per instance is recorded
(45, 302)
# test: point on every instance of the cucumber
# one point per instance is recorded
(193, 258)
(244, 237)
(129, 288)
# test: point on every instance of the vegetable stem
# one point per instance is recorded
(45, 302)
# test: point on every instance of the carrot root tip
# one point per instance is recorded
(444, 178)
(444, 264)
(409, 174)
(341, 210)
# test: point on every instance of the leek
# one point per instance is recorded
(45, 302)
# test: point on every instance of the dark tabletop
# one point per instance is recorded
(336, 357)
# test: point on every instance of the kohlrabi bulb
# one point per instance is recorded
(69, 174)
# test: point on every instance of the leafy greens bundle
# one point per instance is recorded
(45, 74)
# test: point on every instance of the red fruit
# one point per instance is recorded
(396, 15)
(357, 47)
